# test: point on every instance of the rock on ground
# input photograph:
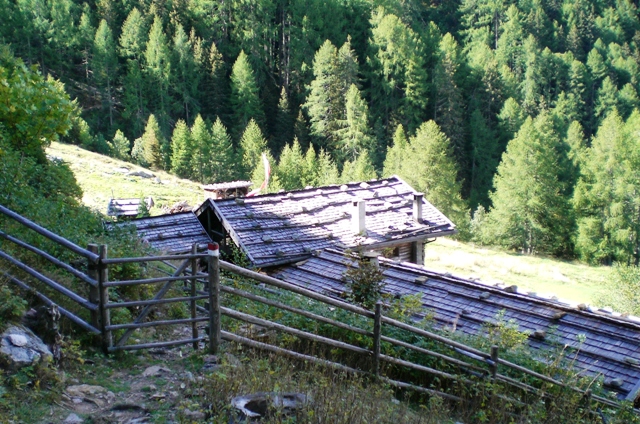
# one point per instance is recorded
(19, 347)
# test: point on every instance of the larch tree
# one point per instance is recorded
(120, 146)
(606, 196)
(147, 149)
(220, 164)
(530, 212)
(359, 169)
(182, 150)
(184, 75)
(105, 67)
(354, 136)
(396, 153)
(252, 145)
(201, 139)
(133, 39)
(283, 128)
(327, 170)
(245, 100)
(158, 72)
(429, 167)
(291, 166)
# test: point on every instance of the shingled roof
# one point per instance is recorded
(173, 234)
(611, 345)
(281, 228)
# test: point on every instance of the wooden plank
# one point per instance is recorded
(114, 305)
(159, 323)
(153, 258)
(156, 345)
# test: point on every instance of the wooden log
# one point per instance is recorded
(428, 370)
(49, 282)
(48, 302)
(48, 234)
(293, 288)
(158, 323)
(94, 292)
(214, 303)
(299, 333)
(494, 359)
(152, 302)
(148, 281)
(143, 314)
(52, 259)
(155, 345)
(432, 353)
(192, 306)
(105, 314)
(154, 258)
(433, 336)
(281, 351)
(301, 312)
(377, 331)
(431, 392)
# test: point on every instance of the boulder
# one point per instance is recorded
(269, 404)
(19, 347)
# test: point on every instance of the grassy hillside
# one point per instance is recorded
(102, 177)
(546, 276)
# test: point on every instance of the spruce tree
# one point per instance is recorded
(182, 150)
(245, 100)
(530, 212)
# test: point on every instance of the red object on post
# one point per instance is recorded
(213, 249)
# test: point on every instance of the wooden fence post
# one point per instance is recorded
(377, 332)
(494, 359)
(105, 314)
(214, 297)
(94, 293)
(194, 271)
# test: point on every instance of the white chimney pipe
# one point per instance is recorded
(358, 216)
(417, 206)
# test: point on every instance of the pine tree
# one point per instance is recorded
(327, 170)
(220, 166)
(201, 140)
(105, 66)
(120, 146)
(448, 110)
(485, 157)
(291, 167)
(132, 42)
(429, 167)
(530, 212)
(158, 70)
(606, 195)
(147, 149)
(252, 145)
(182, 150)
(310, 168)
(245, 101)
(184, 76)
(360, 169)
(354, 136)
(396, 153)
(283, 128)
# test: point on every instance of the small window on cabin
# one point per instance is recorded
(391, 252)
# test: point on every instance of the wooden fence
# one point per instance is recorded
(202, 294)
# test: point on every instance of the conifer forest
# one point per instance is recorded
(518, 119)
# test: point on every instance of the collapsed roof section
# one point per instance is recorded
(597, 342)
(282, 228)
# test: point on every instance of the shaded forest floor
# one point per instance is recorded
(102, 177)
